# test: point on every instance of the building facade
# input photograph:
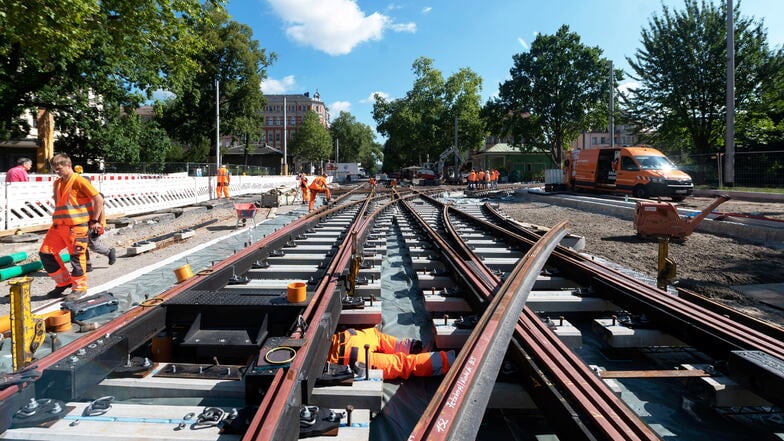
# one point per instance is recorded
(292, 108)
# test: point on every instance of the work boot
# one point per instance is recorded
(58, 291)
(112, 256)
(89, 267)
(76, 294)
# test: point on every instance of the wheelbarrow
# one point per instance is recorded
(244, 212)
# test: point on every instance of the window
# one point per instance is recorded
(594, 140)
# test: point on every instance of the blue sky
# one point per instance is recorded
(348, 49)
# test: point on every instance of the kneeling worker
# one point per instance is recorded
(397, 358)
(319, 185)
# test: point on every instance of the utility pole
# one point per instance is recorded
(337, 151)
(612, 106)
(217, 130)
(729, 135)
(285, 170)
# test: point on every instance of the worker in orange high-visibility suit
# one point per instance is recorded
(397, 358)
(224, 178)
(76, 200)
(319, 185)
(372, 182)
(303, 185)
(472, 180)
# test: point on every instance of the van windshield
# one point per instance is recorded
(654, 163)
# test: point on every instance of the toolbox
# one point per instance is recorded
(92, 306)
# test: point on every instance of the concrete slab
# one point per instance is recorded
(359, 430)
(565, 301)
(723, 391)
(124, 422)
(619, 336)
(362, 394)
(449, 336)
(438, 303)
(369, 315)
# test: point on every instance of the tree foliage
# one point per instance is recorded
(232, 56)
(66, 55)
(356, 141)
(681, 69)
(421, 124)
(557, 89)
(312, 141)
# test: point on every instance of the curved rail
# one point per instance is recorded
(592, 410)
(466, 389)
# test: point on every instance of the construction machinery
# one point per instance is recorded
(451, 173)
(661, 219)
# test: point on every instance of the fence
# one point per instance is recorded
(30, 204)
(752, 169)
(189, 168)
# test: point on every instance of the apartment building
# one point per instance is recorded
(290, 108)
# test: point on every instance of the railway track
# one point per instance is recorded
(208, 340)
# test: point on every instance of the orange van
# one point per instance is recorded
(640, 171)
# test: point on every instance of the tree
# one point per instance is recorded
(557, 89)
(235, 58)
(356, 140)
(681, 69)
(312, 141)
(59, 55)
(421, 124)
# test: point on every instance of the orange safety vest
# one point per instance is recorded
(223, 176)
(472, 177)
(73, 200)
(319, 183)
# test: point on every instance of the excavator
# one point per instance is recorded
(451, 173)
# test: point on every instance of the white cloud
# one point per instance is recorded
(522, 42)
(275, 87)
(339, 106)
(333, 26)
(624, 87)
(162, 95)
(403, 27)
(427, 9)
(372, 97)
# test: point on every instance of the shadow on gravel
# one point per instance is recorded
(222, 228)
(624, 239)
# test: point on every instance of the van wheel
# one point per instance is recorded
(640, 192)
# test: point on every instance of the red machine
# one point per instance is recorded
(661, 219)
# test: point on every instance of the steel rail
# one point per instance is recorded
(599, 410)
(723, 334)
(466, 389)
(710, 331)
(274, 417)
(273, 420)
(607, 413)
(207, 279)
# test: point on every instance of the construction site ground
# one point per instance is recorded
(717, 267)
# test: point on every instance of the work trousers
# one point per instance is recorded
(387, 353)
(222, 190)
(73, 238)
(315, 192)
(305, 194)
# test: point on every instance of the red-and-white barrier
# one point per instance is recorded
(30, 204)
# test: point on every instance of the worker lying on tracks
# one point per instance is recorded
(397, 358)
(78, 206)
(319, 185)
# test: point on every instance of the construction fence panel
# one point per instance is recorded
(30, 204)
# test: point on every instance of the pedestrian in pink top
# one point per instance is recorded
(19, 173)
